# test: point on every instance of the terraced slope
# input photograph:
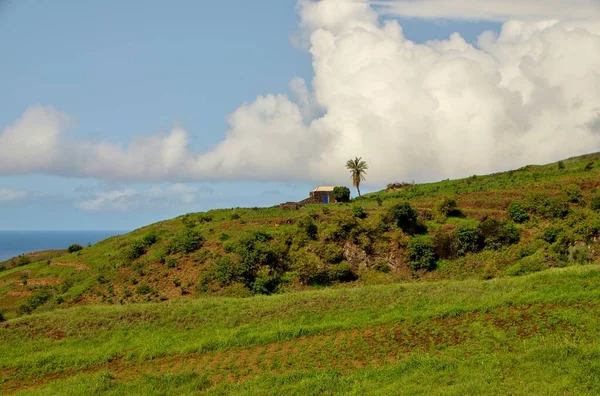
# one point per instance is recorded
(535, 334)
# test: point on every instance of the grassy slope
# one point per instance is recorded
(101, 274)
(536, 334)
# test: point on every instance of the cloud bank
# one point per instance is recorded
(414, 111)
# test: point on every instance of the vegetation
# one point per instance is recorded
(535, 334)
(358, 170)
(74, 248)
(341, 194)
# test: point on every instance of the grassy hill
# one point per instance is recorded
(488, 284)
(481, 227)
(535, 334)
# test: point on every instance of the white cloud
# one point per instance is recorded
(413, 111)
(7, 195)
(128, 198)
(495, 10)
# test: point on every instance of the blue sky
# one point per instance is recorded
(128, 70)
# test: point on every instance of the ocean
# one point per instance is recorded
(13, 243)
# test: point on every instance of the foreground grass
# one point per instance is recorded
(526, 335)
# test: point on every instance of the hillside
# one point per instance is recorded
(535, 334)
(481, 227)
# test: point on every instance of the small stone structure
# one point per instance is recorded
(323, 194)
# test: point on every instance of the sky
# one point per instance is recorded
(114, 115)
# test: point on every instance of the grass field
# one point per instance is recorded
(536, 334)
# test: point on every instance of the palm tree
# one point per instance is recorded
(358, 170)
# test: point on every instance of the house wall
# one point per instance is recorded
(318, 196)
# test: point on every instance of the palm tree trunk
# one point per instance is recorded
(358, 188)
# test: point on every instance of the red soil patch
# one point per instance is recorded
(77, 266)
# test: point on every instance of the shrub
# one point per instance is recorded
(150, 239)
(574, 194)
(224, 271)
(143, 289)
(2, 317)
(341, 194)
(533, 263)
(171, 262)
(308, 267)
(224, 237)
(308, 227)
(404, 217)
(589, 166)
(595, 204)
(579, 254)
(382, 266)
(235, 216)
(517, 213)
(421, 254)
(341, 272)
(561, 247)
(135, 250)
(33, 302)
(497, 234)
(185, 242)
(266, 282)
(448, 208)
(561, 165)
(74, 248)
(23, 260)
(469, 239)
(549, 207)
(359, 212)
(551, 235)
(445, 244)
(331, 253)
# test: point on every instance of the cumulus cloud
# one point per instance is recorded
(414, 111)
(122, 200)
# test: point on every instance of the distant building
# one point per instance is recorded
(322, 194)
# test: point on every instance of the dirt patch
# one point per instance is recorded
(43, 282)
(20, 293)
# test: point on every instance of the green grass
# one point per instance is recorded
(536, 334)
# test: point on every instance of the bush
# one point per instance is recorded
(266, 282)
(136, 250)
(341, 272)
(341, 194)
(421, 254)
(331, 253)
(579, 254)
(185, 242)
(224, 237)
(589, 166)
(359, 212)
(235, 216)
(224, 271)
(517, 213)
(404, 217)
(574, 194)
(561, 165)
(549, 207)
(445, 244)
(448, 208)
(74, 248)
(469, 239)
(143, 289)
(551, 235)
(595, 204)
(23, 260)
(533, 263)
(2, 317)
(308, 227)
(382, 266)
(33, 302)
(496, 234)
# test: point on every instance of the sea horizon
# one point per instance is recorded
(16, 242)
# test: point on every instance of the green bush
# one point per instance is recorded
(224, 271)
(2, 317)
(33, 302)
(341, 194)
(308, 227)
(549, 207)
(448, 208)
(589, 166)
(445, 244)
(23, 260)
(561, 165)
(185, 242)
(404, 217)
(331, 253)
(341, 272)
(382, 266)
(496, 234)
(150, 239)
(551, 235)
(266, 282)
(421, 254)
(143, 289)
(579, 254)
(235, 216)
(171, 262)
(469, 239)
(595, 204)
(224, 237)
(135, 250)
(533, 263)
(74, 248)
(359, 212)
(574, 194)
(517, 213)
